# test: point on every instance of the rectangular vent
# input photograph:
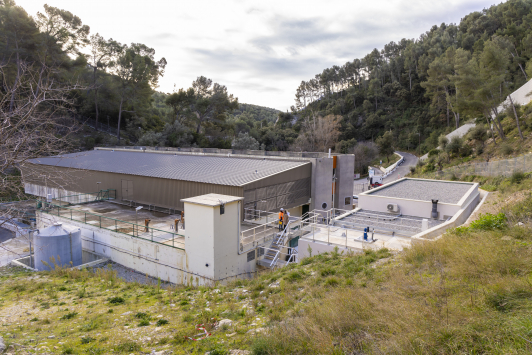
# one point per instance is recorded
(251, 255)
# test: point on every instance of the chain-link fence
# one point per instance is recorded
(504, 167)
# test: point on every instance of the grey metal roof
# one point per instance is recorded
(207, 169)
(425, 190)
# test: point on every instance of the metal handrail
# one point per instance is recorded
(274, 261)
(258, 235)
(49, 209)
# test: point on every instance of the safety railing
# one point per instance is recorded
(155, 235)
(274, 257)
(251, 238)
(257, 216)
(78, 199)
(397, 224)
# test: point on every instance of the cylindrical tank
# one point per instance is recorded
(59, 242)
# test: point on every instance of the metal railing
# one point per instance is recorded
(253, 237)
(265, 153)
(253, 215)
(115, 225)
(78, 199)
(290, 257)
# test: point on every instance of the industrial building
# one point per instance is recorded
(127, 205)
(162, 178)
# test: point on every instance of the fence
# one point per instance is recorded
(504, 167)
(78, 199)
(282, 154)
(115, 225)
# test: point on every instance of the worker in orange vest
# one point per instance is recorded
(281, 215)
(285, 219)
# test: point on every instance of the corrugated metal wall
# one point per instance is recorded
(147, 190)
(288, 189)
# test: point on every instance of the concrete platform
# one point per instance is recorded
(121, 218)
(337, 237)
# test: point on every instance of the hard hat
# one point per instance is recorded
(282, 209)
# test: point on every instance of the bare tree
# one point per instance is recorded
(32, 125)
(319, 133)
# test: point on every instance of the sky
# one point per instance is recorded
(260, 50)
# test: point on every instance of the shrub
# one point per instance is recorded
(117, 300)
(454, 145)
(142, 315)
(144, 323)
(261, 346)
(442, 141)
(489, 221)
(489, 188)
(332, 282)
(327, 271)
(517, 177)
(294, 276)
(434, 152)
(69, 315)
(128, 347)
(162, 322)
(86, 340)
(506, 149)
(429, 168)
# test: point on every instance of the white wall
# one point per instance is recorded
(407, 207)
(318, 248)
(156, 260)
(367, 200)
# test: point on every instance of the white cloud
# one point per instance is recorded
(260, 50)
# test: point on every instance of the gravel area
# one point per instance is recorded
(130, 275)
(443, 191)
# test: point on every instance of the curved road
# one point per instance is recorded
(403, 169)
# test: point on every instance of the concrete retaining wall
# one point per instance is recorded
(318, 248)
(156, 260)
(460, 218)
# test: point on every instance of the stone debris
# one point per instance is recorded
(223, 322)
(239, 352)
(2, 345)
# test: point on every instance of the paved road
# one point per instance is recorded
(403, 169)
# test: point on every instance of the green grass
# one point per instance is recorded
(468, 292)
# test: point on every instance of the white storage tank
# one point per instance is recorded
(59, 241)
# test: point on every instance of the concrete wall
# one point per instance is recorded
(321, 190)
(212, 241)
(156, 260)
(407, 207)
(417, 208)
(458, 219)
(345, 169)
(318, 248)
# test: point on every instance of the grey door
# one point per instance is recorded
(127, 190)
